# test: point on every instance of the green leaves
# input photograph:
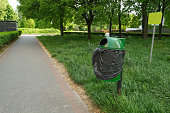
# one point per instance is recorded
(6, 11)
(167, 14)
(3, 6)
(30, 23)
(10, 14)
(7, 37)
(53, 11)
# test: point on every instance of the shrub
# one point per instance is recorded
(38, 31)
(7, 37)
(22, 22)
(20, 32)
(124, 34)
(30, 23)
(43, 24)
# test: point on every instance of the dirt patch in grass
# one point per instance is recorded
(79, 89)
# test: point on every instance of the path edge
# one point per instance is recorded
(51, 59)
(7, 49)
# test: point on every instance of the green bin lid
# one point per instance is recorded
(112, 43)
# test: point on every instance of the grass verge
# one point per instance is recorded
(38, 31)
(145, 86)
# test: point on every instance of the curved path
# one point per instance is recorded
(29, 83)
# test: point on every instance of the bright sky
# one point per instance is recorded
(14, 4)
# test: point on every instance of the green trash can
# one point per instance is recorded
(107, 60)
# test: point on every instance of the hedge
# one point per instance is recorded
(7, 37)
(124, 34)
(20, 32)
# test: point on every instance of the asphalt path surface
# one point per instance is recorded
(29, 83)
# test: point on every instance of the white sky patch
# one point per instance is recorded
(14, 4)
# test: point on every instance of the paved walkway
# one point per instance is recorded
(29, 83)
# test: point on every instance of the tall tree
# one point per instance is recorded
(49, 10)
(10, 14)
(119, 18)
(85, 9)
(7, 12)
(164, 4)
(144, 6)
(142, 9)
(3, 7)
(167, 15)
(110, 9)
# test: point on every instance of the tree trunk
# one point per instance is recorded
(145, 27)
(120, 29)
(111, 22)
(144, 20)
(159, 7)
(89, 21)
(110, 27)
(61, 26)
(160, 25)
(89, 30)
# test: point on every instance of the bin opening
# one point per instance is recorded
(103, 42)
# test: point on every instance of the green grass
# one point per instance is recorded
(38, 31)
(145, 87)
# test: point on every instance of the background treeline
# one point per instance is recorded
(87, 15)
(96, 12)
(7, 13)
(33, 23)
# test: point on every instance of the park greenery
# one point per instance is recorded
(145, 87)
(39, 31)
(6, 11)
(7, 37)
(129, 13)
(90, 15)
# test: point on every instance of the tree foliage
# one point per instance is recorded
(167, 15)
(6, 11)
(65, 13)
(10, 14)
(85, 11)
(142, 8)
(110, 9)
(134, 21)
(22, 22)
(43, 24)
(30, 23)
(49, 10)
(167, 21)
(3, 6)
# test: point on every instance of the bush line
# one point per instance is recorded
(116, 33)
(7, 37)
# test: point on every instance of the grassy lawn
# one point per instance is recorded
(38, 31)
(145, 87)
